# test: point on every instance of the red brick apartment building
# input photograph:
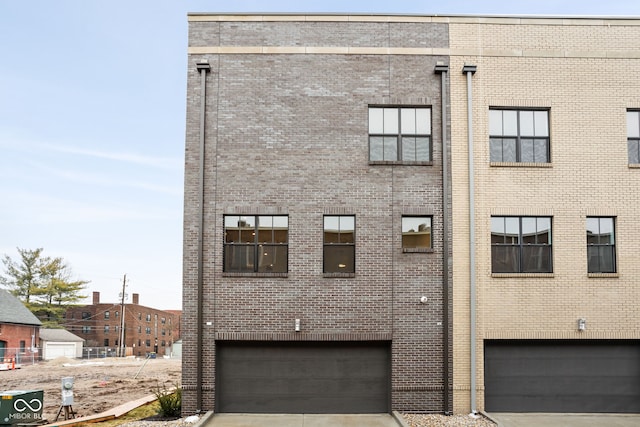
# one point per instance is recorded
(146, 330)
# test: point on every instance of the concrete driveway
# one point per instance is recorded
(565, 420)
(298, 420)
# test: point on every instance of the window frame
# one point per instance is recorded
(633, 139)
(272, 249)
(521, 258)
(347, 248)
(518, 137)
(399, 134)
(611, 246)
(410, 249)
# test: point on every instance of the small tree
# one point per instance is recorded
(42, 283)
(22, 277)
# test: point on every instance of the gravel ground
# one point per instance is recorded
(413, 420)
(422, 420)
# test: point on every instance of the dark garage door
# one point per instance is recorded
(296, 377)
(561, 376)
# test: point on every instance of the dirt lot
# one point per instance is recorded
(99, 385)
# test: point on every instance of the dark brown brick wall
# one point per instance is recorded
(288, 134)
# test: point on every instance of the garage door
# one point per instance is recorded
(561, 376)
(296, 377)
(55, 350)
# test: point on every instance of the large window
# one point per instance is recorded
(521, 244)
(519, 136)
(256, 244)
(339, 244)
(400, 134)
(601, 245)
(416, 232)
(633, 136)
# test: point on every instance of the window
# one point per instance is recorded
(400, 134)
(521, 244)
(339, 244)
(106, 315)
(86, 315)
(416, 232)
(139, 329)
(633, 136)
(163, 320)
(86, 329)
(147, 343)
(164, 343)
(106, 329)
(117, 314)
(163, 332)
(148, 318)
(148, 331)
(23, 346)
(601, 245)
(116, 329)
(106, 342)
(519, 136)
(256, 244)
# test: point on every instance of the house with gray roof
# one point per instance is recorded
(19, 329)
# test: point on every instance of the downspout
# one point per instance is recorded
(442, 69)
(469, 70)
(203, 68)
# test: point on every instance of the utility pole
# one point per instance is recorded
(122, 346)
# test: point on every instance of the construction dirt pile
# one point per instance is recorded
(98, 385)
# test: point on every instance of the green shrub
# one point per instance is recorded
(170, 401)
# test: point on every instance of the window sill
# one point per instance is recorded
(339, 275)
(603, 275)
(399, 163)
(417, 250)
(262, 274)
(520, 165)
(523, 275)
(634, 165)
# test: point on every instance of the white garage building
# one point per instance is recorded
(56, 343)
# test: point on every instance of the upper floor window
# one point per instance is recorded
(400, 134)
(601, 245)
(633, 136)
(148, 318)
(106, 315)
(339, 244)
(86, 315)
(521, 244)
(519, 136)
(106, 329)
(256, 244)
(86, 329)
(416, 232)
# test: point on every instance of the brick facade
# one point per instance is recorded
(146, 329)
(585, 72)
(287, 133)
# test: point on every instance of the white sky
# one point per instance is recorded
(92, 117)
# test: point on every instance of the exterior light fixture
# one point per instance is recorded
(582, 324)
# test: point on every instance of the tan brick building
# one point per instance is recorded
(296, 130)
(577, 191)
